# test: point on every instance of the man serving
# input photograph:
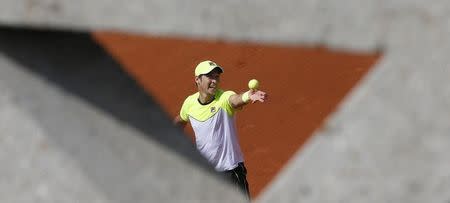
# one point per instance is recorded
(211, 112)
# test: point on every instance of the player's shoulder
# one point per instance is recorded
(224, 95)
(191, 98)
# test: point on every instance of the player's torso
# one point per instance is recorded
(215, 131)
(208, 118)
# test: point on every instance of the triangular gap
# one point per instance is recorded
(305, 85)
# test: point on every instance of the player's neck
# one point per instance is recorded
(205, 97)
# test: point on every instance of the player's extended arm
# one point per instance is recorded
(239, 100)
(179, 122)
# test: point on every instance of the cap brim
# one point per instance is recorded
(220, 68)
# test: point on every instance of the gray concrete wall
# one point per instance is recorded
(361, 25)
(33, 168)
(356, 25)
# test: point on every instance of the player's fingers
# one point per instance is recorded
(262, 98)
(263, 95)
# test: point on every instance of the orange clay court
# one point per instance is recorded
(304, 85)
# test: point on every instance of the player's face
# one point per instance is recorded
(209, 83)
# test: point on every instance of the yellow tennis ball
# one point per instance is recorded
(253, 84)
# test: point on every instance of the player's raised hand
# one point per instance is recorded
(257, 95)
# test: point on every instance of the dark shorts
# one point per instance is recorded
(238, 177)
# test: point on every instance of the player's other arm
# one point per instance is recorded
(251, 96)
(179, 122)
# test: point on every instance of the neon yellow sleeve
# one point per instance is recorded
(184, 108)
(225, 98)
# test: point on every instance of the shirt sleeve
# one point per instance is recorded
(184, 109)
(226, 102)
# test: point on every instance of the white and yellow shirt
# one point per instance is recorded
(215, 129)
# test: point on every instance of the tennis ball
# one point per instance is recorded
(253, 84)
